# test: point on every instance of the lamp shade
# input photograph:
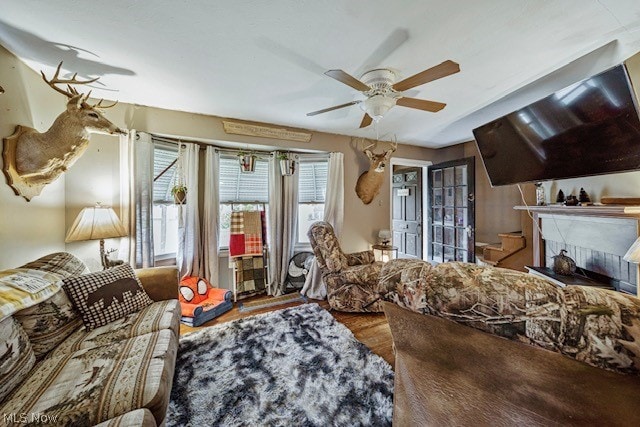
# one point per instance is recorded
(95, 223)
(377, 106)
(633, 254)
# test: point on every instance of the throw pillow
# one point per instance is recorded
(16, 356)
(105, 296)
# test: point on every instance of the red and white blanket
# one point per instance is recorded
(246, 233)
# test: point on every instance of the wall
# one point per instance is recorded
(28, 230)
(494, 206)
(613, 185)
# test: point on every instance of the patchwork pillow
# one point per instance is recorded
(48, 323)
(105, 296)
(16, 356)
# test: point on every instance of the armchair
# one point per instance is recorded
(351, 279)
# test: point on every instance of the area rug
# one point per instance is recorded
(245, 307)
(292, 367)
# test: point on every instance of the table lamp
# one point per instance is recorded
(633, 254)
(97, 223)
(385, 237)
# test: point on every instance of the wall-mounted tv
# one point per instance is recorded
(589, 128)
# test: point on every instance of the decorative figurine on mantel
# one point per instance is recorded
(540, 198)
(583, 197)
(560, 198)
(571, 200)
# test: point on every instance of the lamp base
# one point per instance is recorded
(104, 258)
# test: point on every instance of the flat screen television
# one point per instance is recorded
(589, 128)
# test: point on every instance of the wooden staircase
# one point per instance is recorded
(508, 253)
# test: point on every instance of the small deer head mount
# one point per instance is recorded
(369, 183)
(33, 159)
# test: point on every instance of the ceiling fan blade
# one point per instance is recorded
(347, 79)
(421, 104)
(366, 121)
(313, 113)
(445, 69)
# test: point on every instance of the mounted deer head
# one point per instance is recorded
(33, 159)
(369, 183)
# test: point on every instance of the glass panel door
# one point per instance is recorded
(451, 207)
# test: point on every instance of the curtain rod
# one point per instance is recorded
(226, 150)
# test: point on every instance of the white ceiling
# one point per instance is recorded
(264, 60)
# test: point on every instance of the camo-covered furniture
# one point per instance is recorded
(520, 350)
(117, 374)
(351, 279)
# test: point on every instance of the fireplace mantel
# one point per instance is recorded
(606, 211)
(600, 244)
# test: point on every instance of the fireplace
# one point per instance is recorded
(596, 237)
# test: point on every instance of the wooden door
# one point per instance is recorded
(451, 222)
(407, 212)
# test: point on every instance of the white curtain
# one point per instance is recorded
(210, 223)
(314, 287)
(189, 257)
(289, 226)
(136, 198)
(275, 224)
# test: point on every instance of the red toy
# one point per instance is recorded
(201, 302)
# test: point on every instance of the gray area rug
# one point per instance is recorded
(292, 367)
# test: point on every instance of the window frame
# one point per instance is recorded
(223, 247)
(311, 158)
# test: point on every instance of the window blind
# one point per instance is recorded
(312, 183)
(236, 186)
(163, 156)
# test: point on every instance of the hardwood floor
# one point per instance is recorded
(371, 329)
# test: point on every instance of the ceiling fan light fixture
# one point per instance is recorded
(377, 106)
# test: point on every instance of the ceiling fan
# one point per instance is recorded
(383, 92)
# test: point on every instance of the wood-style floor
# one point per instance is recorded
(371, 329)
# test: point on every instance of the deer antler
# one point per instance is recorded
(72, 81)
(74, 91)
(99, 104)
(394, 145)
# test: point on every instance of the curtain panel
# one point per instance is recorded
(211, 221)
(314, 286)
(136, 198)
(189, 259)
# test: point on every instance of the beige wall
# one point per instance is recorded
(28, 229)
(494, 206)
(361, 222)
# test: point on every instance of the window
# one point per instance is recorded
(312, 188)
(240, 191)
(165, 212)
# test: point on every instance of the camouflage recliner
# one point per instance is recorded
(351, 279)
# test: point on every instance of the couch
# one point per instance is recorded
(488, 346)
(119, 374)
(351, 279)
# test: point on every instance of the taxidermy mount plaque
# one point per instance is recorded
(33, 159)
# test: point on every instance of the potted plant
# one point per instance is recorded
(287, 164)
(179, 192)
(247, 161)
